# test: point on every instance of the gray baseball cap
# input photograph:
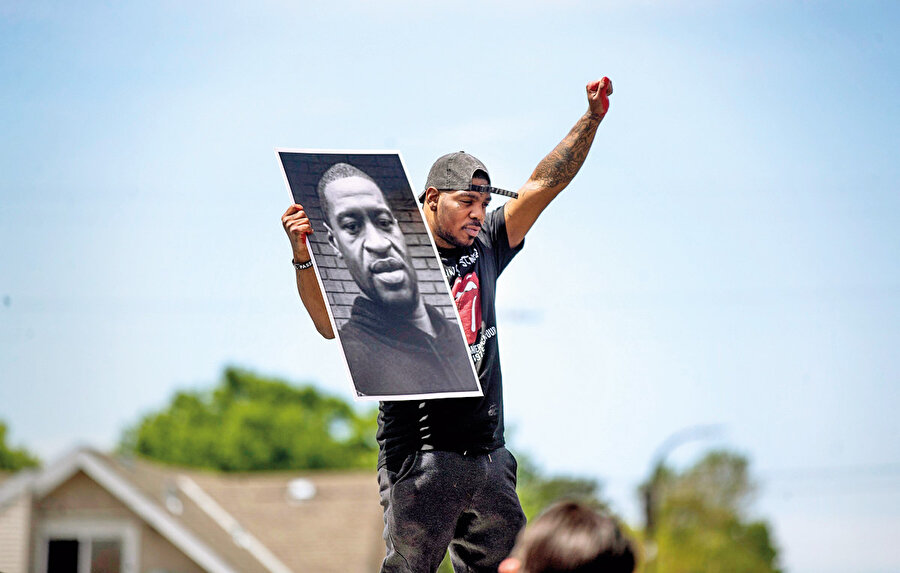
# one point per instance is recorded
(453, 171)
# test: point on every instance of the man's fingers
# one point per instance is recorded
(300, 226)
(296, 215)
(293, 208)
(297, 226)
(608, 84)
(295, 221)
(598, 93)
(595, 87)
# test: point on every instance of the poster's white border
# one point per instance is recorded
(312, 256)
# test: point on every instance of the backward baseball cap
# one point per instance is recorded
(453, 171)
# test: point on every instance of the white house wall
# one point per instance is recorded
(15, 526)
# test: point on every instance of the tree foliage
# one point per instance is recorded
(250, 422)
(701, 520)
(537, 490)
(13, 459)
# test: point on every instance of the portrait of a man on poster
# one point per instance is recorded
(386, 294)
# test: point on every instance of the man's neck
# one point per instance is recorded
(422, 321)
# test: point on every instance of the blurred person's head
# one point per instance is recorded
(571, 537)
(366, 235)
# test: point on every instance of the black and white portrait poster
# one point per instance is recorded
(386, 293)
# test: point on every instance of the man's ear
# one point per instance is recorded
(509, 565)
(431, 198)
(333, 242)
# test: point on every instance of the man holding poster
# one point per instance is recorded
(446, 478)
(395, 344)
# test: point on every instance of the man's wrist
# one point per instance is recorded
(301, 264)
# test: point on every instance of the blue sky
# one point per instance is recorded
(727, 255)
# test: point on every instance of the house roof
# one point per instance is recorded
(236, 522)
(343, 518)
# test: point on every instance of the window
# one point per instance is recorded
(62, 556)
(72, 546)
(78, 555)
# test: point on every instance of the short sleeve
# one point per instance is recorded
(495, 227)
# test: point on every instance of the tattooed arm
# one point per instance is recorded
(555, 171)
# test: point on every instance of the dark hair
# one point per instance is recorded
(572, 537)
(335, 172)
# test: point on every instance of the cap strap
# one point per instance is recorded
(489, 189)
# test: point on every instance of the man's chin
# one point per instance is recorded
(463, 240)
(455, 240)
(398, 303)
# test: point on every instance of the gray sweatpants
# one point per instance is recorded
(439, 499)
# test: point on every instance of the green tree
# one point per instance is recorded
(537, 490)
(250, 422)
(701, 523)
(13, 459)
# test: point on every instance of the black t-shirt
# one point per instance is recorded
(389, 355)
(467, 425)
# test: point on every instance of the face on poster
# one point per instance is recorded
(386, 293)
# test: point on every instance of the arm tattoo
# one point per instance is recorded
(559, 167)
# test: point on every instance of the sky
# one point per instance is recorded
(727, 256)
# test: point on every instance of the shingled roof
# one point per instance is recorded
(238, 522)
